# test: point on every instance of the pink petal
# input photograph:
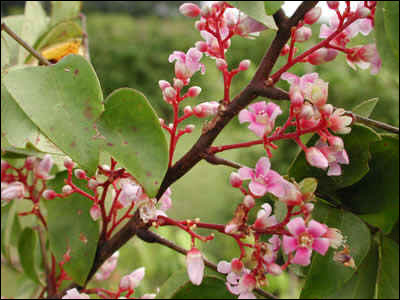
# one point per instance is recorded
(334, 170)
(321, 245)
(195, 266)
(257, 189)
(258, 107)
(247, 295)
(233, 278)
(342, 157)
(246, 173)
(259, 130)
(262, 167)
(245, 116)
(316, 229)
(267, 208)
(224, 267)
(302, 257)
(274, 183)
(232, 289)
(289, 244)
(273, 110)
(296, 226)
(291, 78)
(177, 55)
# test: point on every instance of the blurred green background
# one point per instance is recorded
(132, 51)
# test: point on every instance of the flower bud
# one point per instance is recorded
(336, 142)
(306, 112)
(74, 294)
(169, 94)
(80, 174)
(201, 46)
(312, 15)
(69, 164)
(189, 10)
(303, 34)
(130, 192)
(221, 64)
(178, 83)
(309, 207)
(14, 190)
(200, 25)
(326, 109)
(285, 50)
(49, 194)
(244, 65)
(5, 165)
(163, 84)
(317, 57)
(95, 212)
(131, 281)
(194, 91)
(195, 266)
(92, 184)
(333, 4)
(235, 180)
(237, 265)
(67, 189)
(296, 96)
(315, 158)
(44, 167)
(188, 110)
(249, 201)
(189, 128)
(363, 12)
(30, 163)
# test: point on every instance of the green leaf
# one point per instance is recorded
(271, 7)
(362, 284)
(60, 33)
(64, 10)
(63, 101)
(26, 249)
(365, 108)
(10, 45)
(391, 14)
(326, 276)
(357, 145)
(7, 218)
(133, 136)
(376, 197)
(390, 59)
(256, 10)
(178, 286)
(72, 229)
(388, 271)
(34, 26)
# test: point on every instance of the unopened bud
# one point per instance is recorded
(178, 83)
(326, 109)
(44, 167)
(189, 10)
(201, 46)
(306, 112)
(92, 184)
(69, 164)
(303, 34)
(189, 128)
(29, 163)
(235, 180)
(249, 201)
(285, 50)
(95, 212)
(49, 194)
(221, 64)
(312, 15)
(194, 91)
(363, 12)
(200, 25)
(80, 174)
(244, 65)
(315, 158)
(336, 142)
(169, 94)
(163, 84)
(67, 189)
(333, 4)
(4, 165)
(309, 207)
(317, 57)
(188, 110)
(206, 11)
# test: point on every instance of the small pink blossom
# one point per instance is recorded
(195, 266)
(292, 195)
(14, 190)
(49, 194)
(334, 156)
(305, 239)
(74, 294)
(263, 179)
(194, 91)
(165, 200)
(264, 218)
(130, 192)
(244, 65)
(235, 180)
(187, 64)
(261, 117)
(365, 57)
(206, 109)
(131, 281)
(95, 212)
(339, 122)
(312, 15)
(303, 34)
(107, 268)
(321, 56)
(43, 168)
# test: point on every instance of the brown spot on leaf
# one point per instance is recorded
(148, 173)
(125, 142)
(83, 238)
(76, 72)
(79, 212)
(134, 129)
(73, 144)
(110, 144)
(88, 112)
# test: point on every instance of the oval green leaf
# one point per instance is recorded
(63, 101)
(365, 108)
(256, 10)
(326, 276)
(71, 228)
(376, 196)
(64, 10)
(27, 245)
(133, 136)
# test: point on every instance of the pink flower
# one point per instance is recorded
(108, 267)
(340, 123)
(165, 200)
(334, 156)
(261, 117)
(365, 57)
(304, 240)
(95, 212)
(303, 34)
(43, 168)
(195, 266)
(187, 64)
(312, 15)
(14, 190)
(130, 192)
(292, 195)
(264, 218)
(74, 294)
(206, 109)
(131, 281)
(263, 179)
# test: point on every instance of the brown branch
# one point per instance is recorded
(32, 51)
(373, 123)
(152, 237)
(214, 160)
(212, 130)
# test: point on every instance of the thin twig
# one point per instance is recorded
(371, 122)
(32, 51)
(152, 237)
(214, 160)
